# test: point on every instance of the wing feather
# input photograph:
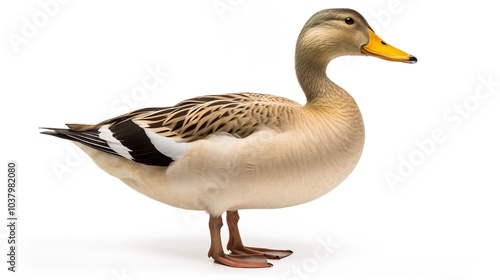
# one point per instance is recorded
(159, 136)
(238, 114)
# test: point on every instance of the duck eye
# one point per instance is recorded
(349, 20)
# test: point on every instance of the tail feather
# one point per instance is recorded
(88, 138)
(81, 127)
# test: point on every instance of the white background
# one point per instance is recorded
(441, 222)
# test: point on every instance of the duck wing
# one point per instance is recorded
(158, 136)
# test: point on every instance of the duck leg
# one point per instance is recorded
(236, 246)
(217, 252)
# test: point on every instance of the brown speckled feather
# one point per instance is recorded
(237, 114)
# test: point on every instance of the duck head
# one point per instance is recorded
(336, 32)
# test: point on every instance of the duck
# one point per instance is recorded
(230, 152)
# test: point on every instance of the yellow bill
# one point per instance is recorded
(378, 48)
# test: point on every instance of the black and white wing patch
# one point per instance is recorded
(128, 140)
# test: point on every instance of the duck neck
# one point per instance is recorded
(311, 74)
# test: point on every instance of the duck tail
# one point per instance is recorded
(77, 133)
